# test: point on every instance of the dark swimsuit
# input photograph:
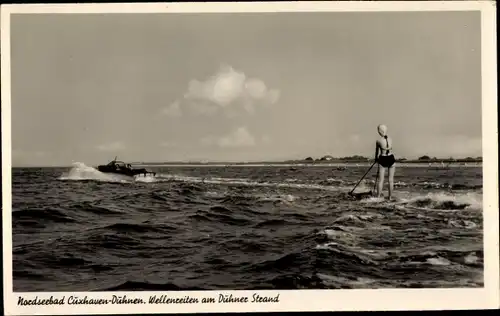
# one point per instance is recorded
(388, 160)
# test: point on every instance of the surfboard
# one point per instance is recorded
(360, 195)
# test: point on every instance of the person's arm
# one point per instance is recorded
(376, 150)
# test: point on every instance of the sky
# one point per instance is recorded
(243, 87)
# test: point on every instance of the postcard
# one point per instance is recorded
(249, 157)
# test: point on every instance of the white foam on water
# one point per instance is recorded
(245, 182)
(215, 194)
(438, 261)
(372, 200)
(370, 216)
(471, 259)
(360, 282)
(333, 234)
(348, 218)
(279, 197)
(462, 224)
(326, 246)
(364, 186)
(81, 171)
(227, 179)
(145, 179)
(472, 200)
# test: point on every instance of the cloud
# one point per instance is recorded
(224, 87)
(240, 137)
(202, 107)
(272, 96)
(115, 146)
(228, 90)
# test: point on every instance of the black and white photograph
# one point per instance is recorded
(264, 151)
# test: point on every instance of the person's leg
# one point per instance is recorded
(380, 185)
(392, 170)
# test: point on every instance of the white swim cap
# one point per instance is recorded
(382, 130)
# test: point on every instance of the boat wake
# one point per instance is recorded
(444, 200)
(82, 172)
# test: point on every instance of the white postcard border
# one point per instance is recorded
(290, 300)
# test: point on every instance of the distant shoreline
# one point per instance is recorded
(308, 164)
(314, 162)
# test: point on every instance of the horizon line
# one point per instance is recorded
(306, 161)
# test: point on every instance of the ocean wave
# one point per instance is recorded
(220, 217)
(446, 261)
(370, 282)
(367, 183)
(51, 256)
(240, 244)
(445, 185)
(432, 201)
(339, 282)
(40, 215)
(27, 274)
(146, 286)
(350, 219)
(244, 228)
(189, 189)
(139, 228)
(446, 201)
(292, 282)
(239, 200)
(344, 253)
(113, 241)
(467, 224)
(96, 209)
(271, 223)
(290, 262)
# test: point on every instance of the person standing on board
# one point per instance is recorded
(385, 159)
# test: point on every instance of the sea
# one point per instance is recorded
(246, 227)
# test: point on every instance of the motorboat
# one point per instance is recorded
(120, 167)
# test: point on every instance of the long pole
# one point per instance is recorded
(376, 180)
(373, 164)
